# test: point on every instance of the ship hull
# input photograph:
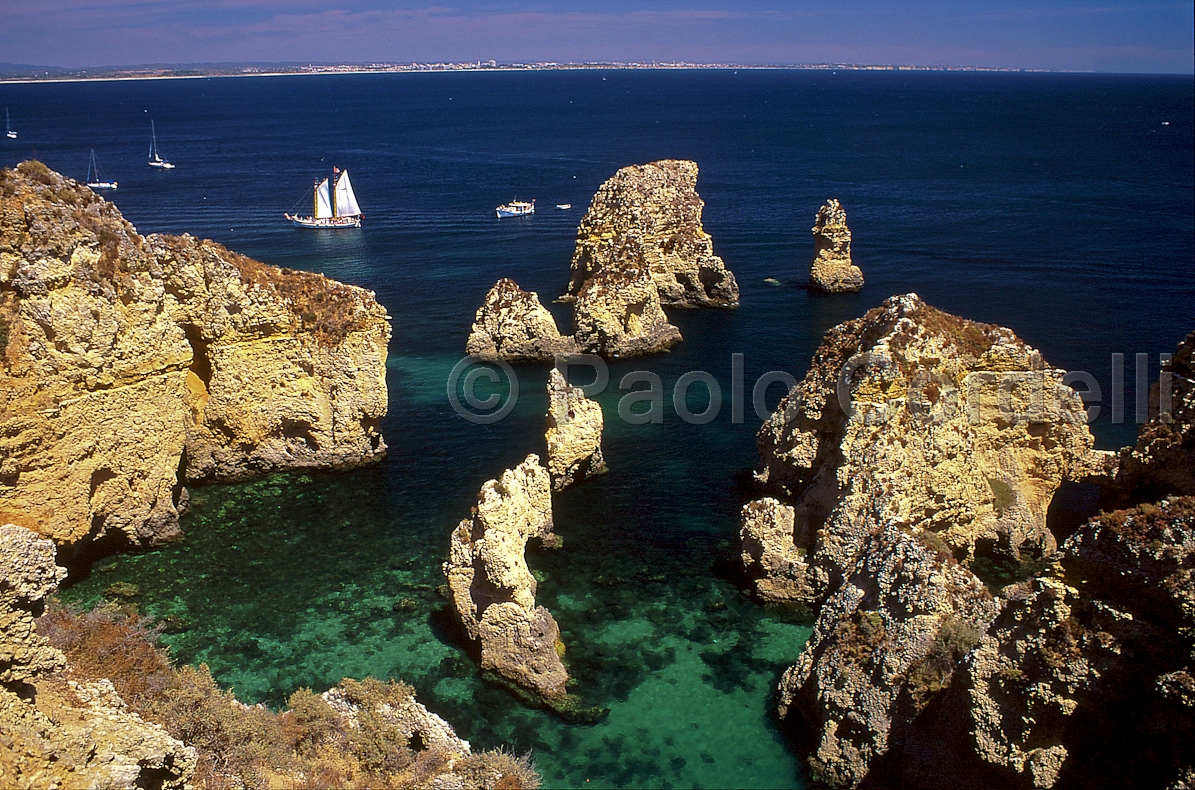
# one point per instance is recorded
(325, 223)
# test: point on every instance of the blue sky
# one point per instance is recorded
(1100, 35)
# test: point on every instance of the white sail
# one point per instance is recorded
(323, 201)
(346, 201)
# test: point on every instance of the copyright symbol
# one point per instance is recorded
(481, 411)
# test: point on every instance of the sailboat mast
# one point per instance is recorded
(332, 192)
(315, 199)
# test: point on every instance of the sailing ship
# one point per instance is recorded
(8, 132)
(335, 205)
(95, 176)
(155, 160)
(515, 208)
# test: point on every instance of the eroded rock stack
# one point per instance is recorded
(512, 324)
(492, 588)
(832, 270)
(573, 435)
(656, 204)
(915, 438)
(130, 365)
(618, 314)
(59, 732)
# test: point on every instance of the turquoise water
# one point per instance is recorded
(1014, 199)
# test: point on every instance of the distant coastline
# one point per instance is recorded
(10, 73)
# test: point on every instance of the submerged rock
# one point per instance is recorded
(658, 205)
(574, 434)
(512, 324)
(130, 365)
(617, 312)
(832, 270)
(492, 589)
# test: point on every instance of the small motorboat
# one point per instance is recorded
(564, 206)
(515, 208)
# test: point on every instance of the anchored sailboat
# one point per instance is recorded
(8, 132)
(335, 205)
(155, 160)
(95, 176)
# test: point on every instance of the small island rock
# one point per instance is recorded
(832, 270)
(657, 203)
(493, 590)
(513, 325)
(618, 312)
(574, 434)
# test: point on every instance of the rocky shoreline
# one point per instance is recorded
(920, 451)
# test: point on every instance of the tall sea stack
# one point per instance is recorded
(832, 270)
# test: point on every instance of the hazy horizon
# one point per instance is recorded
(1063, 35)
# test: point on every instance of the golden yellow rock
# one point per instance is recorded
(832, 270)
(125, 359)
(658, 204)
(512, 324)
(573, 435)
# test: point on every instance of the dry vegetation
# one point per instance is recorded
(310, 745)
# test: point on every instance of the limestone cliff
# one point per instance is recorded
(130, 364)
(574, 434)
(1088, 673)
(59, 732)
(916, 438)
(492, 588)
(832, 270)
(658, 205)
(913, 416)
(617, 312)
(512, 324)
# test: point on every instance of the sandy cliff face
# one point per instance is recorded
(59, 732)
(657, 204)
(129, 364)
(832, 269)
(492, 588)
(512, 324)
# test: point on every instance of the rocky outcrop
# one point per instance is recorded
(1088, 673)
(884, 643)
(574, 434)
(1163, 459)
(492, 589)
(917, 440)
(130, 365)
(27, 575)
(958, 430)
(617, 312)
(59, 732)
(657, 205)
(832, 270)
(512, 324)
(771, 558)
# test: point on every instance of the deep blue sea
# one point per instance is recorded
(1058, 205)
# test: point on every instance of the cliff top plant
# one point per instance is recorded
(310, 745)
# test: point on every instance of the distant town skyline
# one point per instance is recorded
(1073, 35)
